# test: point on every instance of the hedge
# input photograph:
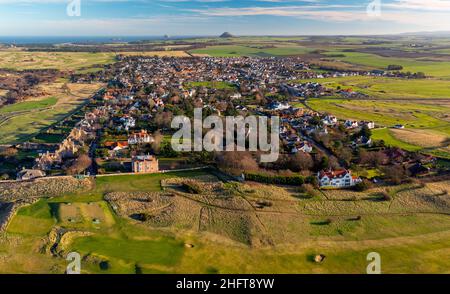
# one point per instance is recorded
(295, 180)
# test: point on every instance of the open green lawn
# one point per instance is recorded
(390, 88)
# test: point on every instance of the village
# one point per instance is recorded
(126, 127)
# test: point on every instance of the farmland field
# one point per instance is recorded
(251, 50)
(19, 122)
(168, 53)
(430, 68)
(390, 88)
(296, 228)
(21, 60)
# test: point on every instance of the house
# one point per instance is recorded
(350, 124)
(141, 137)
(370, 124)
(145, 164)
(337, 179)
(28, 174)
(236, 96)
(116, 146)
(278, 106)
(362, 141)
(329, 120)
(306, 147)
(128, 122)
(418, 169)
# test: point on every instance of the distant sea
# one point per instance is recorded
(61, 40)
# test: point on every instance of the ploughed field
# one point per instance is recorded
(156, 224)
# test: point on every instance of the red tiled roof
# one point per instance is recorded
(334, 174)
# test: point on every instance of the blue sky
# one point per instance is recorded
(212, 17)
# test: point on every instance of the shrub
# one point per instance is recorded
(192, 187)
(294, 180)
(310, 190)
(385, 196)
(363, 185)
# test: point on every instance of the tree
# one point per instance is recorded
(374, 159)
(365, 132)
(395, 67)
(156, 145)
(9, 152)
(345, 154)
(301, 161)
(237, 162)
(395, 174)
(79, 165)
(324, 161)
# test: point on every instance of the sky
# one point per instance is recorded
(213, 17)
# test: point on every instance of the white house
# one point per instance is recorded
(236, 96)
(140, 138)
(128, 122)
(306, 147)
(350, 124)
(330, 120)
(337, 179)
(369, 124)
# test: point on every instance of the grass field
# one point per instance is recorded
(389, 139)
(390, 88)
(215, 85)
(430, 68)
(168, 53)
(29, 105)
(20, 122)
(427, 126)
(387, 113)
(21, 60)
(411, 233)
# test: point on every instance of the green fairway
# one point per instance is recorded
(35, 219)
(162, 251)
(29, 105)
